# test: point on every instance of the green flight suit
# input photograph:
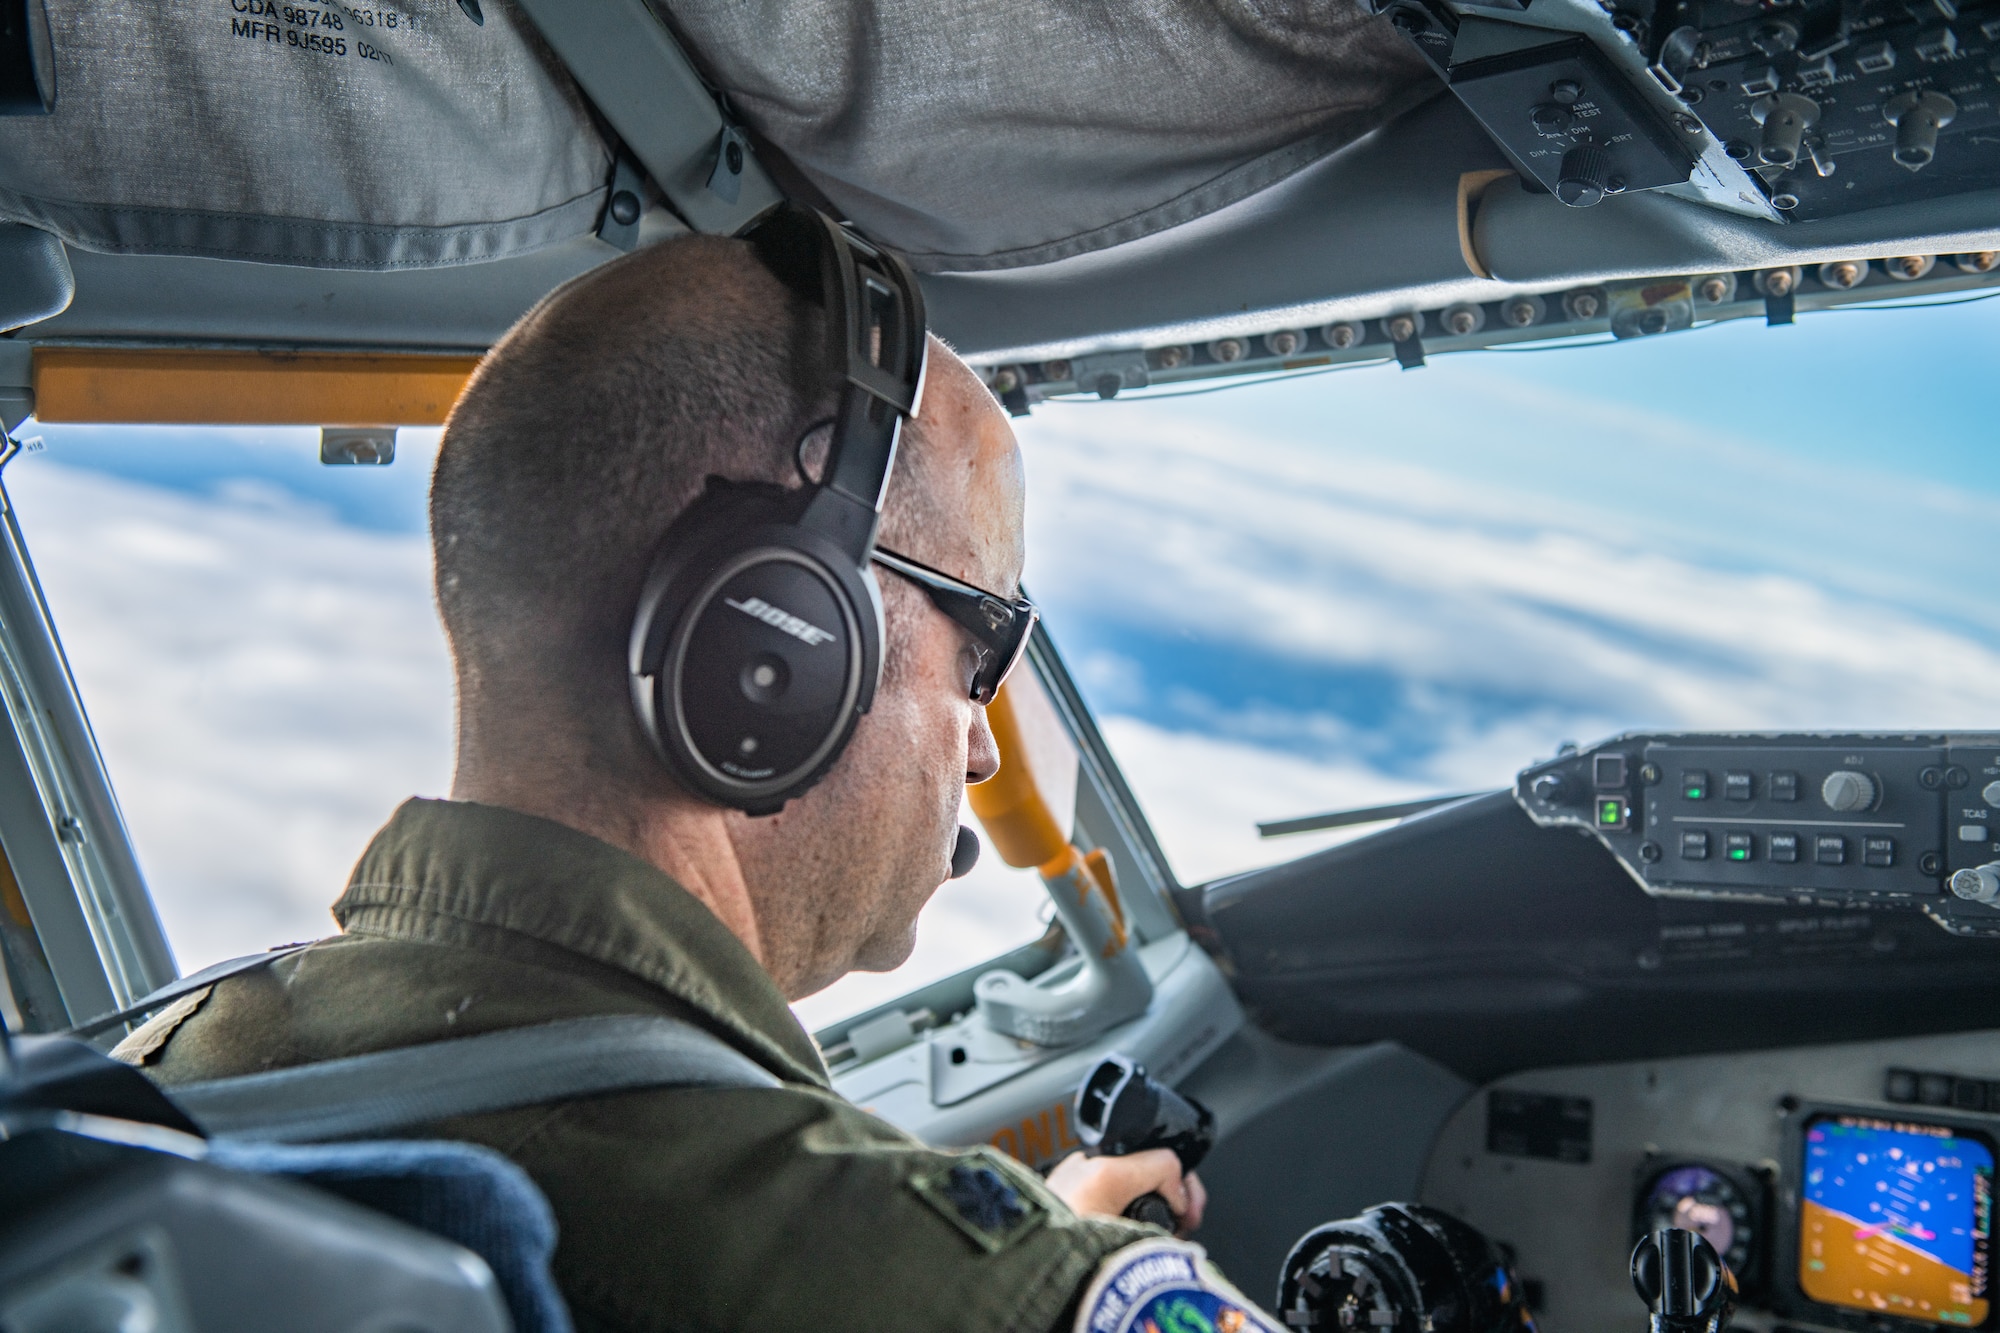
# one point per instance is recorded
(692, 1208)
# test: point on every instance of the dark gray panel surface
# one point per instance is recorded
(1571, 1223)
(213, 300)
(1307, 1136)
(1530, 238)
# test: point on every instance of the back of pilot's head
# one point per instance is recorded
(586, 430)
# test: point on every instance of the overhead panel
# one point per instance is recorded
(1806, 111)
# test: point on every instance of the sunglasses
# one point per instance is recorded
(999, 625)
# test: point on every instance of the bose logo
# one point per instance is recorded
(804, 631)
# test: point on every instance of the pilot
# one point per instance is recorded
(570, 875)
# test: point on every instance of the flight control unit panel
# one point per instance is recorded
(1872, 820)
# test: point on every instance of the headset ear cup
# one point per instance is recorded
(754, 651)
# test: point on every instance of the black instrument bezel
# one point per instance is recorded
(1787, 1297)
(1751, 1182)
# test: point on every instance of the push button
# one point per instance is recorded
(1739, 846)
(1785, 847)
(1784, 786)
(1610, 812)
(1608, 771)
(1694, 846)
(1830, 849)
(1878, 852)
(1972, 833)
(1736, 786)
(1694, 784)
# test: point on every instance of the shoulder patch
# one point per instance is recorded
(975, 1196)
(1166, 1286)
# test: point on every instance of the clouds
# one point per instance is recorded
(1436, 616)
(267, 680)
(1297, 598)
(266, 684)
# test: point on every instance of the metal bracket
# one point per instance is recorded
(732, 155)
(646, 87)
(367, 445)
(624, 204)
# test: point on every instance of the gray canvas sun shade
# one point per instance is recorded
(992, 134)
(981, 135)
(397, 134)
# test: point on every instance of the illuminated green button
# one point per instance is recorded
(1611, 812)
(1694, 785)
(1738, 846)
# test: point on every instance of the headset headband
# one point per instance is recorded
(875, 325)
(756, 643)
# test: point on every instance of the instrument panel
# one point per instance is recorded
(1870, 820)
(1850, 1187)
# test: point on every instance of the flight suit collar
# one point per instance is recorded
(441, 870)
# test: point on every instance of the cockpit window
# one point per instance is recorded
(254, 637)
(1336, 591)
(1363, 587)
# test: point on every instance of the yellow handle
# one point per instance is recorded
(1029, 807)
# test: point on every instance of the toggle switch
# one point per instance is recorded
(1785, 117)
(1918, 116)
(1978, 885)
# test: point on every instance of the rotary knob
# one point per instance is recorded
(1981, 885)
(1585, 176)
(1552, 789)
(1847, 791)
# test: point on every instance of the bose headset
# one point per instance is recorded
(757, 642)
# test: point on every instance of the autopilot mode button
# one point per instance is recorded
(1694, 784)
(1784, 786)
(1739, 846)
(1785, 847)
(1830, 849)
(1879, 852)
(1694, 846)
(1736, 787)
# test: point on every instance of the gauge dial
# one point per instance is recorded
(1702, 1200)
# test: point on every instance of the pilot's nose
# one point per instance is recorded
(982, 752)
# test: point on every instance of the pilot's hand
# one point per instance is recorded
(1108, 1185)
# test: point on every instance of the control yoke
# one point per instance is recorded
(1121, 1109)
(1683, 1282)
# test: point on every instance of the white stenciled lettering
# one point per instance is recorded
(782, 620)
(1153, 1271)
(1110, 1309)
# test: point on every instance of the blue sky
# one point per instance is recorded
(1423, 580)
(1284, 598)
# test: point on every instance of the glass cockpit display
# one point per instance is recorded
(1896, 1218)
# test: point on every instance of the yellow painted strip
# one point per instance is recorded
(1472, 185)
(103, 386)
